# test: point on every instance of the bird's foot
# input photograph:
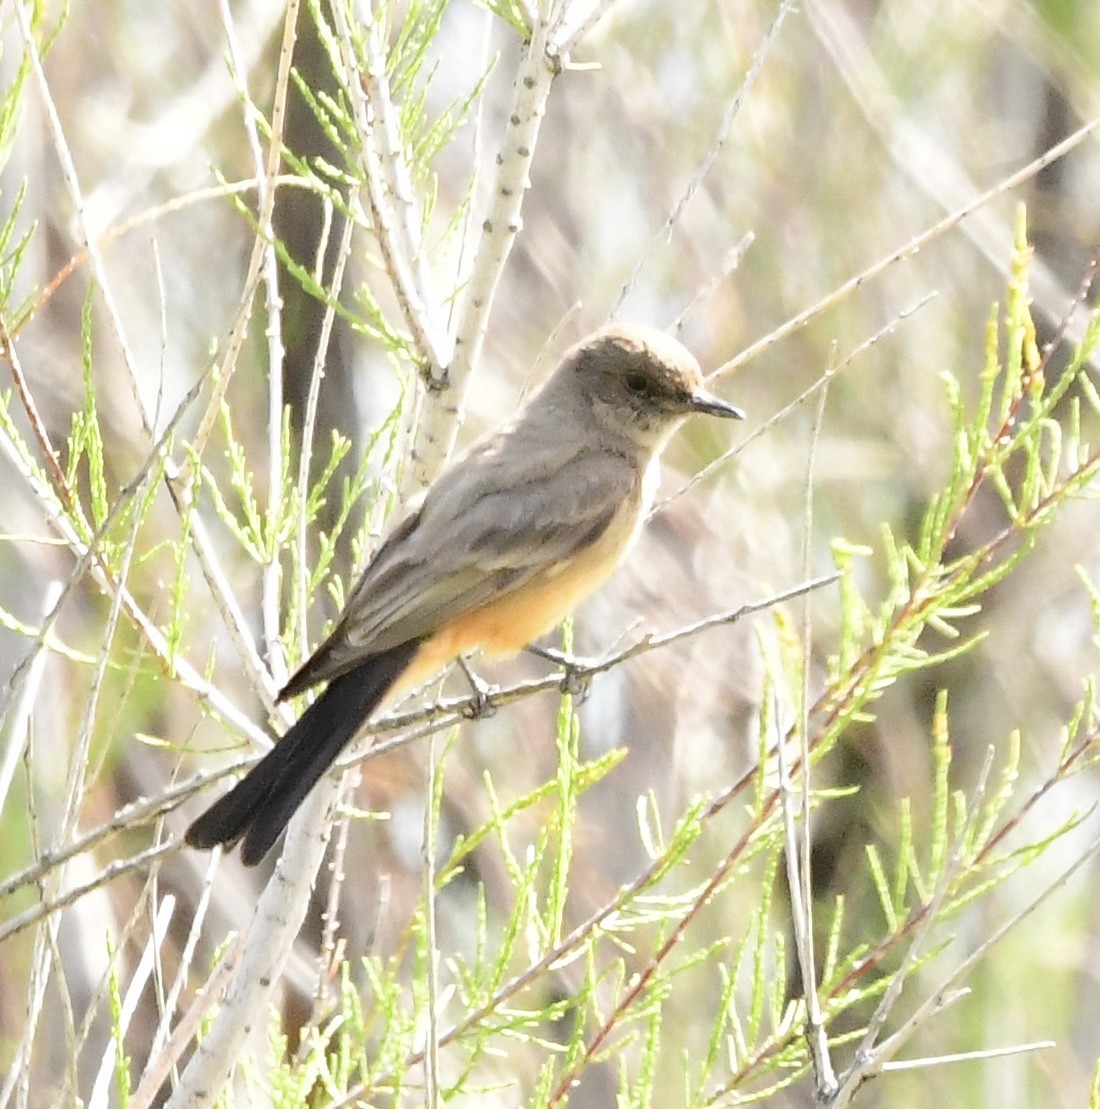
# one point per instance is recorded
(577, 672)
(480, 704)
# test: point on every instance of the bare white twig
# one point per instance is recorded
(162, 1063)
(328, 950)
(967, 1056)
(797, 841)
(385, 140)
(538, 66)
(183, 971)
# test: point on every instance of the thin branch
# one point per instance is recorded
(576, 672)
(798, 848)
(258, 263)
(228, 605)
(176, 204)
(95, 259)
(309, 420)
(779, 416)
(867, 1054)
(432, 1073)
(907, 250)
(567, 37)
(19, 738)
(54, 470)
(163, 1033)
(928, 165)
(148, 1091)
(711, 156)
(273, 302)
(395, 213)
(730, 263)
(135, 986)
(47, 909)
(967, 1056)
(23, 702)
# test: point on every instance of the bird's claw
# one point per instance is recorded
(480, 704)
(576, 679)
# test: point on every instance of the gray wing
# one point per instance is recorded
(485, 528)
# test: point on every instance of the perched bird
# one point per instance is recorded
(503, 546)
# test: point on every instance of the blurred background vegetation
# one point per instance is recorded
(863, 126)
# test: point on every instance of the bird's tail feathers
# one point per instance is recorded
(261, 804)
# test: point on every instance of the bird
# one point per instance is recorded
(501, 548)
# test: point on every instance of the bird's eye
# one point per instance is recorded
(637, 383)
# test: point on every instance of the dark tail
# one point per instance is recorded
(261, 804)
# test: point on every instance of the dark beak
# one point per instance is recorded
(710, 405)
